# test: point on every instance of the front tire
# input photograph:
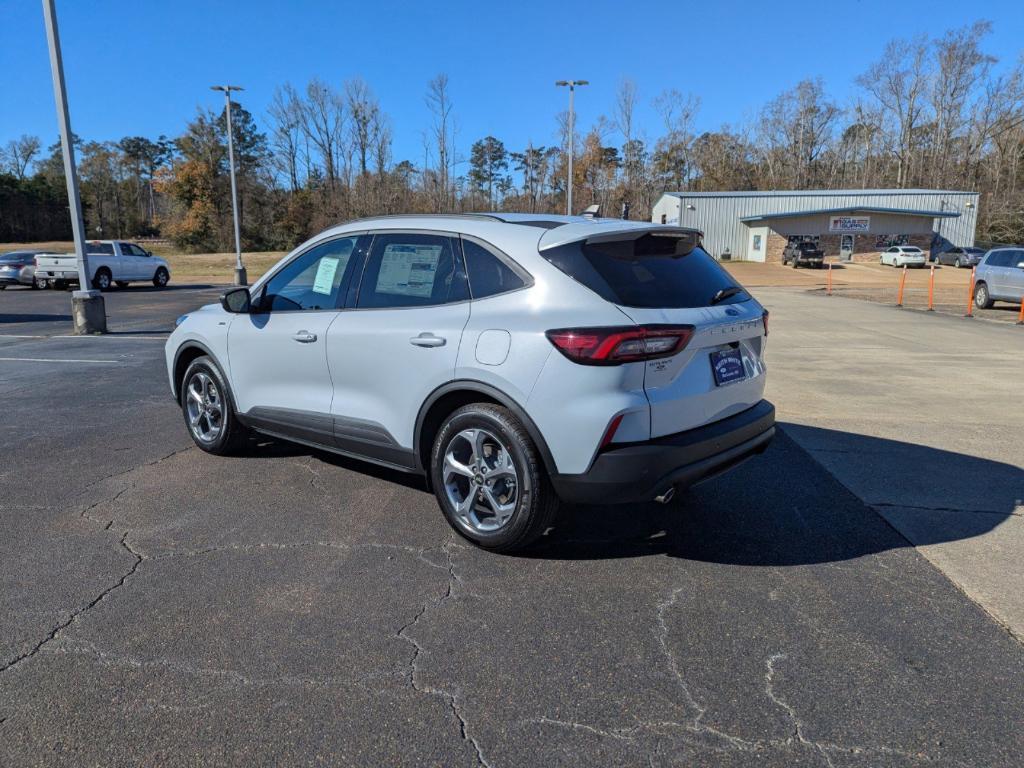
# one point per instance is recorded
(209, 409)
(982, 298)
(489, 479)
(161, 278)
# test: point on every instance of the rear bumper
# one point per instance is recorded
(640, 471)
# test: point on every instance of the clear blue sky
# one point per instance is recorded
(141, 67)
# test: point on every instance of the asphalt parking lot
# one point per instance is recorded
(822, 605)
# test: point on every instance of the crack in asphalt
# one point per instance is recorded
(723, 741)
(826, 747)
(116, 660)
(894, 505)
(81, 611)
(107, 524)
(798, 726)
(137, 467)
(449, 697)
(419, 552)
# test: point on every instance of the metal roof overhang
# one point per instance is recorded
(852, 209)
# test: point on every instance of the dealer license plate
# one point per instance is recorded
(728, 366)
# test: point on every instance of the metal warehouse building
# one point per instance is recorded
(850, 224)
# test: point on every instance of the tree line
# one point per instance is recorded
(932, 112)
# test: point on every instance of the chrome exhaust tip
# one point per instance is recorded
(666, 497)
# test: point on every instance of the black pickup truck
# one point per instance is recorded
(803, 254)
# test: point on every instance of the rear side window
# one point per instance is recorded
(412, 270)
(99, 249)
(998, 259)
(653, 271)
(488, 274)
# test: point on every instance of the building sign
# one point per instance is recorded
(849, 223)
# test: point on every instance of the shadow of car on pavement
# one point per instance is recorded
(782, 508)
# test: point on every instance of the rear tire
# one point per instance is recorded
(102, 280)
(982, 298)
(161, 277)
(489, 479)
(209, 409)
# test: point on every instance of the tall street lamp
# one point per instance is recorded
(87, 307)
(572, 135)
(240, 276)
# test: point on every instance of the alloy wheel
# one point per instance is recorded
(480, 480)
(205, 407)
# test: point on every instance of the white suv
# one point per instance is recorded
(513, 360)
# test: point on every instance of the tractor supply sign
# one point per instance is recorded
(849, 224)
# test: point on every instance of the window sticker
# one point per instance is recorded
(408, 270)
(325, 273)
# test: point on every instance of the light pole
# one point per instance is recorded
(240, 276)
(87, 307)
(572, 136)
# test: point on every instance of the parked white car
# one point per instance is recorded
(111, 262)
(903, 256)
(514, 360)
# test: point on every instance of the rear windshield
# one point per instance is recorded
(653, 271)
(16, 256)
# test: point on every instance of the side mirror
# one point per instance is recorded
(149, 253)
(236, 301)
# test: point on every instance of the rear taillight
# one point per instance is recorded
(612, 346)
(764, 317)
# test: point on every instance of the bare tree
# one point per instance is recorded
(323, 122)
(286, 115)
(440, 104)
(899, 82)
(18, 155)
(365, 120)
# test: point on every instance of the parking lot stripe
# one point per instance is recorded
(53, 360)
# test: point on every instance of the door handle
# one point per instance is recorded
(427, 339)
(304, 337)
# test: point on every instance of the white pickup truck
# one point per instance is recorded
(111, 262)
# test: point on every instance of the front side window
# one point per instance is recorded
(412, 270)
(313, 281)
(488, 274)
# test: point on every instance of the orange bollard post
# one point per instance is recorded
(903, 281)
(970, 295)
(1020, 318)
(931, 290)
(828, 291)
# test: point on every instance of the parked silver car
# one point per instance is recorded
(18, 268)
(1000, 277)
(960, 257)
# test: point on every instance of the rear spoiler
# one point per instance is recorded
(609, 231)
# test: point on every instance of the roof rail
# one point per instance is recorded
(484, 216)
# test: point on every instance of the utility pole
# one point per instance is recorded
(572, 136)
(87, 307)
(241, 278)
